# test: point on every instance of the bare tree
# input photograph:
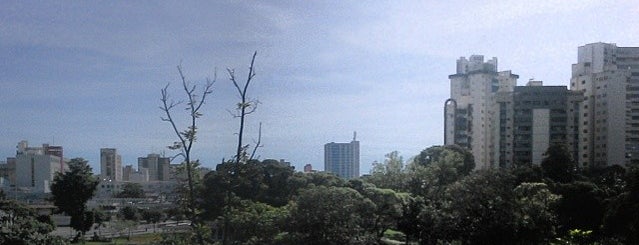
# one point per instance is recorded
(245, 107)
(186, 138)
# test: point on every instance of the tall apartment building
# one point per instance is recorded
(471, 111)
(534, 117)
(35, 167)
(608, 76)
(110, 164)
(342, 159)
(157, 166)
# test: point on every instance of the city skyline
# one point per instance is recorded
(87, 76)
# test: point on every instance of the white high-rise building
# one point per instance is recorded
(472, 111)
(110, 164)
(609, 78)
(35, 167)
(342, 159)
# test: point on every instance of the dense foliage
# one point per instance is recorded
(131, 190)
(435, 198)
(21, 225)
(71, 190)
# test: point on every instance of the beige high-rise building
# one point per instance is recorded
(609, 78)
(110, 164)
(472, 110)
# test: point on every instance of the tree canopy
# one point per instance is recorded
(72, 189)
(131, 190)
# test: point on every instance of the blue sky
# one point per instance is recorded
(88, 74)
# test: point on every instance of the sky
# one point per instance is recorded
(87, 74)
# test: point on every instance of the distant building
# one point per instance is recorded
(35, 167)
(285, 163)
(8, 171)
(157, 166)
(110, 164)
(342, 159)
(152, 189)
(609, 78)
(308, 168)
(139, 175)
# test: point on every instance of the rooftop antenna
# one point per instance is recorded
(354, 135)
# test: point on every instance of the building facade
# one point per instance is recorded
(342, 159)
(131, 174)
(608, 77)
(534, 117)
(35, 167)
(110, 164)
(8, 171)
(471, 112)
(156, 165)
(503, 124)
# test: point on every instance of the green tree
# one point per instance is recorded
(481, 208)
(255, 223)
(429, 176)
(131, 190)
(455, 155)
(152, 216)
(536, 219)
(611, 179)
(621, 219)
(130, 213)
(590, 202)
(390, 174)
(268, 182)
(388, 206)
(410, 222)
(71, 190)
(20, 226)
(330, 215)
(558, 164)
(528, 174)
(101, 217)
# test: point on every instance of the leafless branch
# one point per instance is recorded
(245, 106)
(258, 143)
(188, 136)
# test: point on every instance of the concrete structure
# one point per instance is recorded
(139, 175)
(471, 111)
(8, 170)
(157, 166)
(152, 189)
(35, 167)
(110, 164)
(609, 78)
(342, 159)
(534, 117)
